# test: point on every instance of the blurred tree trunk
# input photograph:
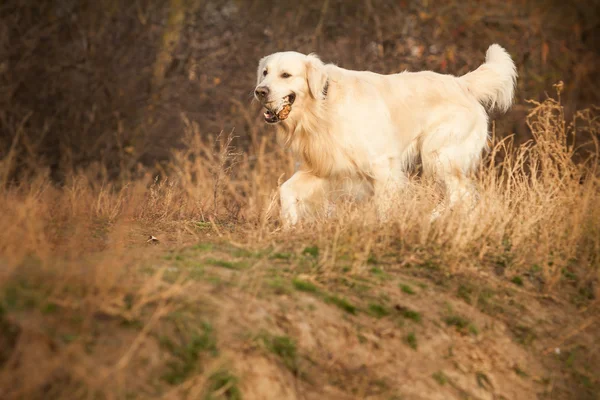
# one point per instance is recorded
(170, 39)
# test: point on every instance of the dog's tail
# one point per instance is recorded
(493, 83)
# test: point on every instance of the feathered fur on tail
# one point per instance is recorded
(493, 83)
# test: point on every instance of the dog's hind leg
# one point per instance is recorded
(303, 197)
(451, 151)
(450, 170)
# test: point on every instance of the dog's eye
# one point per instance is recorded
(285, 75)
(265, 72)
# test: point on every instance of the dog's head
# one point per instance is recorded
(286, 79)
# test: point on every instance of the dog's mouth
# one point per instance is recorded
(283, 111)
(270, 117)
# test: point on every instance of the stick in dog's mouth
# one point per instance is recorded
(272, 117)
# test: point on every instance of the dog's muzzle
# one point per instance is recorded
(273, 116)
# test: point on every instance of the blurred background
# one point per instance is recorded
(108, 84)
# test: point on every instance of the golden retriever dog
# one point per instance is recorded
(357, 132)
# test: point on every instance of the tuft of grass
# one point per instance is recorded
(342, 303)
(311, 251)
(585, 294)
(378, 310)
(285, 348)
(243, 253)
(305, 286)
(524, 335)
(440, 378)
(461, 324)
(430, 264)
(203, 246)
(68, 337)
(281, 256)
(568, 274)
(464, 292)
(411, 340)
(483, 381)
(50, 308)
(203, 225)
(222, 385)
(224, 263)
(487, 304)
(406, 288)
(517, 280)
(409, 314)
(520, 372)
(278, 285)
(186, 355)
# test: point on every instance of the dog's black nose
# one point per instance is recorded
(262, 91)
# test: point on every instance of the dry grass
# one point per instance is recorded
(88, 309)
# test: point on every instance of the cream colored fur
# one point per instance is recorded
(364, 134)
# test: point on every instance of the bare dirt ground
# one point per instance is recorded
(283, 322)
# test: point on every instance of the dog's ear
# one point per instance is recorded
(315, 75)
(261, 67)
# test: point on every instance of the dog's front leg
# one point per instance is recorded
(303, 197)
(387, 185)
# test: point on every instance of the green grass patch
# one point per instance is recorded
(203, 247)
(585, 294)
(222, 385)
(569, 275)
(483, 381)
(355, 284)
(440, 378)
(224, 264)
(411, 340)
(517, 280)
(279, 285)
(68, 338)
(487, 304)
(409, 314)
(378, 310)
(461, 324)
(239, 252)
(50, 308)
(132, 324)
(431, 264)
(304, 286)
(464, 292)
(311, 251)
(342, 303)
(186, 355)
(201, 225)
(379, 273)
(281, 256)
(520, 372)
(285, 348)
(406, 288)
(523, 334)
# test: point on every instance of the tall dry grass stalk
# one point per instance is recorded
(81, 246)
